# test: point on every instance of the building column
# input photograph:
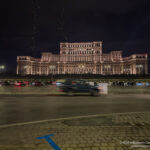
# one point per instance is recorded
(101, 68)
(31, 68)
(17, 69)
(58, 68)
(47, 69)
(131, 69)
(134, 68)
(28, 68)
(121, 68)
(40, 72)
(94, 72)
(146, 67)
(113, 69)
(64, 68)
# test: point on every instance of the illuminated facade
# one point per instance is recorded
(83, 58)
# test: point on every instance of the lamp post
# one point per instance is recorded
(2, 68)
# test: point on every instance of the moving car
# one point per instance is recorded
(36, 83)
(79, 87)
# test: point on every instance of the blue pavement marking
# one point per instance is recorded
(50, 141)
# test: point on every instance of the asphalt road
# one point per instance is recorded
(23, 109)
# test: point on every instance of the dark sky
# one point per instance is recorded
(120, 24)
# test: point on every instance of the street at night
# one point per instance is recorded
(18, 109)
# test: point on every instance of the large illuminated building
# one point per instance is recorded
(83, 58)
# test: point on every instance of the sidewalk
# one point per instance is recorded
(101, 132)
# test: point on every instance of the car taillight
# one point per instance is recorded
(61, 90)
(18, 84)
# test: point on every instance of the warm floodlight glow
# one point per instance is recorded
(25, 67)
(83, 57)
(52, 67)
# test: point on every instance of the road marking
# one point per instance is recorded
(68, 118)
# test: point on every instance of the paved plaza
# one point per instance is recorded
(121, 131)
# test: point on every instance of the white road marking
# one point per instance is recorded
(66, 118)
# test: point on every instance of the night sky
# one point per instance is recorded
(29, 27)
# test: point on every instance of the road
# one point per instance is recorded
(17, 109)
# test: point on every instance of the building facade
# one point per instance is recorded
(83, 58)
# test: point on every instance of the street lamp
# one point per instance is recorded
(2, 68)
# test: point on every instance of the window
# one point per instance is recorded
(63, 45)
(139, 66)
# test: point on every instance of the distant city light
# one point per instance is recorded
(2, 67)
